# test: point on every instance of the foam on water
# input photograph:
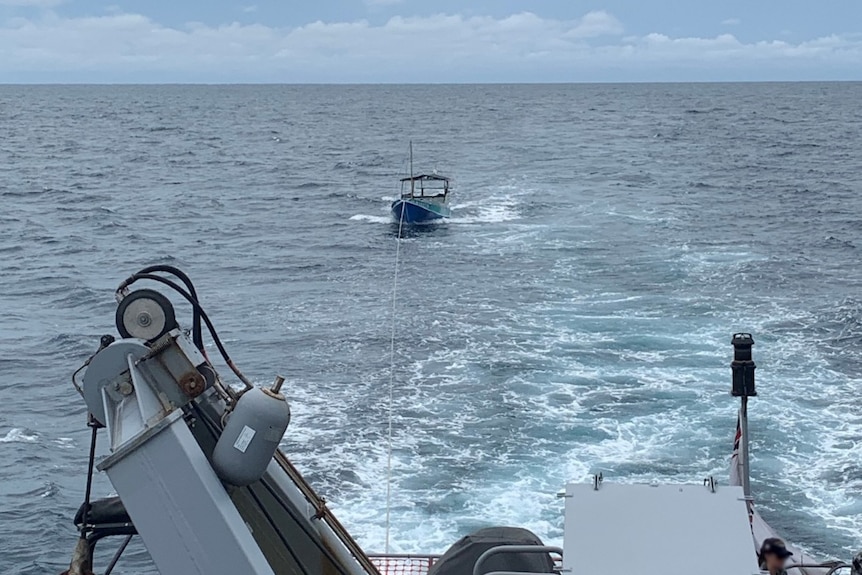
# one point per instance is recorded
(371, 219)
(494, 209)
(17, 435)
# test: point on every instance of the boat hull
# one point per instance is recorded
(412, 211)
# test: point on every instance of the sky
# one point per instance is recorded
(406, 41)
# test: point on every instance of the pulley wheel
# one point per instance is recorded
(145, 314)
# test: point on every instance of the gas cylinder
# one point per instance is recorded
(251, 436)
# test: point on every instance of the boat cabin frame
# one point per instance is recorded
(425, 186)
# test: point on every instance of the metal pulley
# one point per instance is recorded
(145, 314)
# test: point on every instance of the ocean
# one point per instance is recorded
(573, 317)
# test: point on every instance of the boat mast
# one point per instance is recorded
(411, 169)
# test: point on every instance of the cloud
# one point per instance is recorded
(596, 24)
(36, 3)
(249, 9)
(441, 47)
(731, 22)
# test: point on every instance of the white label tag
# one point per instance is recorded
(244, 438)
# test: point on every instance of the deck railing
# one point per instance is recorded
(419, 563)
(403, 564)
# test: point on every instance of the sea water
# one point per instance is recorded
(572, 317)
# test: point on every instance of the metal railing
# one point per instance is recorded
(830, 567)
(403, 563)
(421, 563)
(477, 568)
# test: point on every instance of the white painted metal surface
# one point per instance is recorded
(179, 507)
(177, 503)
(657, 530)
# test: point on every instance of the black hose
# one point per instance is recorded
(197, 306)
(197, 335)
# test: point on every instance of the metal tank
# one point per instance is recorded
(251, 436)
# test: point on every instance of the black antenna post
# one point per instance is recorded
(743, 366)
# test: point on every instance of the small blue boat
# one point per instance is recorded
(424, 198)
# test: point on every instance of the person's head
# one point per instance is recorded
(773, 554)
(856, 565)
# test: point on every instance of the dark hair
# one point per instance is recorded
(767, 547)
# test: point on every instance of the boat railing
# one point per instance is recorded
(421, 563)
(403, 563)
(830, 567)
(519, 549)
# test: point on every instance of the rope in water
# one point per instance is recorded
(392, 377)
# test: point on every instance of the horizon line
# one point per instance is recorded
(501, 83)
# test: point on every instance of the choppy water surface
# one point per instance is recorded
(574, 316)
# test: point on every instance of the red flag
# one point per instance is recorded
(735, 463)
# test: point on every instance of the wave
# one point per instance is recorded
(371, 219)
(19, 435)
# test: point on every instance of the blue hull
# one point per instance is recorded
(417, 211)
